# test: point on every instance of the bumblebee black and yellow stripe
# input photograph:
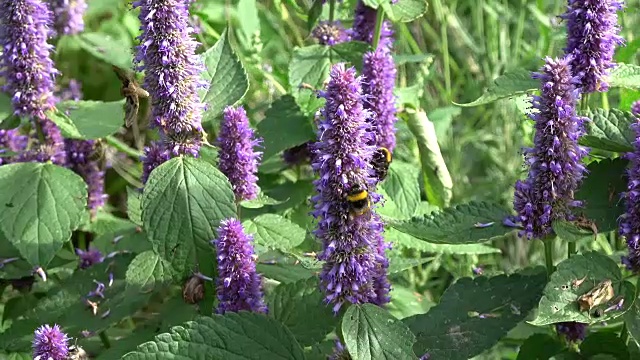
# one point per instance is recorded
(386, 152)
(357, 196)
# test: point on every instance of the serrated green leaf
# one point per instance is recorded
(309, 65)
(601, 343)
(300, 307)
(134, 206)
(228, 80)
(463, 224)
(91, 119)
(271, 231)
(402, 187)
(66, 305)
(406, 302)
(539, 347)
(405, 10)
(372, 333)
(284, 126)
(148, 271)
(442, 119)
(183, 200)
(105, 222)
(41, 205)
(625, 76)
(234, 336)
(632, 320)
(455, 330)
(351, 52)
(106, 48)
(558, 304)
(400, 263)
(507, 85)
(260, 201)
(609, 130)
(437, 180)
(405, 241)
(286, 272)
(599, 192)
(569, 231)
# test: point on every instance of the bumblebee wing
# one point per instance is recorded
(131, 107)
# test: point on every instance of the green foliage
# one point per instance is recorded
(507, 85)
(372, 333)
(42, 205)
(228, 81)
(604, 343)
(403, 188)
(232, 336)
(539, 347)
(284, 126)
(576, 276)
(183, 200)
(625, 76)
(463, 224)
(148, 270)
(273, 231)
(405, 10)
(89, 119)
(300, 307)
(474, 314)
(609, 130)
(106, 48)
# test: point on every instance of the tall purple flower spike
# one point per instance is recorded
(50, 343)
(630, 221)
(353, 271)
(364, 24)
(572, 331)
(172, 77)
(237, 158)
(592, 36)
(11, 141)
(555, 167)
(239, 286)
(379, 72)
(68, 16)
(29, 72)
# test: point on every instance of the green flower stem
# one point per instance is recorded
(122, 147)
(378, 29)
(105, 339)
(332, 10)
(548, 254)
(571, 248)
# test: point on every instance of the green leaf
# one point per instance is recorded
(351, 52)
(569, 231)
(437, 180)
(90, 119)
(106, 223)
(599, 192)
(182, 201)
(406, 302)
(462, 224)
(250, 21)
(558, 304)
(539, 347)
(134, 206)
(372, 333)
(286, 273)
(314, 13)
(507, 85)
(609, 130)
(6, 107)
(234, 336)
(442, 118)
(227, 77)
(405, 10)
(132, 239)
(402, 187)
(405, 241)
(106, 48)
(602, 342)
(455, 330)
(41, 205)
(284, 127)
(148, 271)
(632, 320)
(300, 307)
(261, 201)
(273, 231)
(309, 65)
(66, 305)
(625, 76)
(399, 263)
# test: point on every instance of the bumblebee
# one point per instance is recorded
(380, 163)
(359, 200)
(132, 91)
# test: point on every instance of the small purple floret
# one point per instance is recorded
(89, 257)
(50, 343)
(555, 162)
(68, 16)
(239, 286)
(237, 158)
(330, 33)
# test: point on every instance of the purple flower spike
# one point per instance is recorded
(555, 168)
(172, 72)
(50, 343)
(635, 108)
(68, 16)
(330, 33)
(630, 221)
(154, 155)
(11, 141)
(339, 352)
(79, 153)
(364, 25)
(239, 286)
(379, 72)
(572, 331)
(238, 161)
(592, 35)
(89, 257)
(352, 244)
